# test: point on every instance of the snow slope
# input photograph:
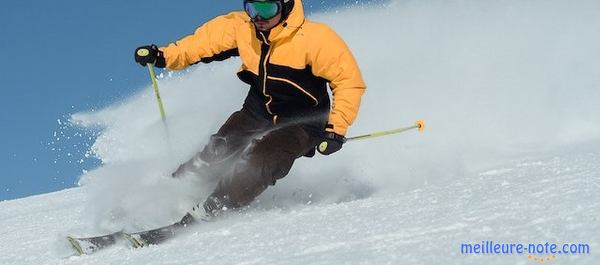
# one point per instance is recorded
(551, 199)
(510, 92)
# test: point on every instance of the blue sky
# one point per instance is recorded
(63, 57)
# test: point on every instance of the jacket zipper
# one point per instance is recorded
(265, 53)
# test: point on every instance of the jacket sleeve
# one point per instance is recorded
(334, 62)
(210, 41)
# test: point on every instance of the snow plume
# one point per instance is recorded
(493, 79)
(139, 152)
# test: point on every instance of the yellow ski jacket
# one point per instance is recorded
(287, 69)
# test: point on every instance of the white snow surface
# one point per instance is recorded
(551, 199)
(510, 91)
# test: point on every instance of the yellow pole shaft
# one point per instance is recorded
(156, 92)
(420, 125)
(380, 134)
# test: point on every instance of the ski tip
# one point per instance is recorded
(75, 245)
(420, 125)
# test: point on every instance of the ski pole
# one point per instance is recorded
(419, 125)
(156, 92)
(161, 108)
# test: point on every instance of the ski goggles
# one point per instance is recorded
(264, 9)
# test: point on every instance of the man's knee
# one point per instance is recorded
(215, 149)
(271, 160)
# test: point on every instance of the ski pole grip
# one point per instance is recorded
(143, 52)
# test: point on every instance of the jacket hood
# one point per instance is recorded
(293, 22)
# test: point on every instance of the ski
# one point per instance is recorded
(158, 235)
(89, 245)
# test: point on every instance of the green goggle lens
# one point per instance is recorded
(263, 9)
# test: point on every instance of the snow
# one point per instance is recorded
(530, 201)
(512, 152)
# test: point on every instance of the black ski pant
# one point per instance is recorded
(250, 154)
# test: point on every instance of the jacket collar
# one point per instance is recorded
(287, 27)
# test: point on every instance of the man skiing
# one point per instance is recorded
(288, 61)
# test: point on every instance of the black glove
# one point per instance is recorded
(331, 142)
(150, 54)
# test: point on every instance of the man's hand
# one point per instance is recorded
(331, 142)
(150, 54)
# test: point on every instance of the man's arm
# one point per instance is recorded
(334, 62)
(215, 40)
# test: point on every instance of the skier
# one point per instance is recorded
(288, 61)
